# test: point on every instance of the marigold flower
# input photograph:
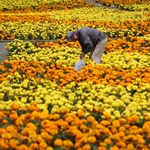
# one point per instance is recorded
(69, 119)
(86, 147)
(3, 145)
(5, 121)
(130, 146)
(34, 146)
(49, 148)
(90, 119)
(91, 139)
(133, 118)
(105, 123)
(58, 142)
(2, 130)
(67, 143)
(108, 141)
(15, 106)
(43, 145)
(116, 123)
(13, 143)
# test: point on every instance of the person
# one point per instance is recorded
(91, 40)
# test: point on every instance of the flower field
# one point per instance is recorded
(45, 104)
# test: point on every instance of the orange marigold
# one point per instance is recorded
(86, 147)
(58, 142)
(91, 139)
(67, 143)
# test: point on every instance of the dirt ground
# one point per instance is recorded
(90, 2)
(3, 52)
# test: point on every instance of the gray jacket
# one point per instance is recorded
(88, 38)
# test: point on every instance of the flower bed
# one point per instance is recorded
(47, 105)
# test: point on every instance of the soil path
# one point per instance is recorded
(90, 2)
(3, 52)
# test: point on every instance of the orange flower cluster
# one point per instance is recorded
(128, 44)
(62, 76)
(25, 18)
(32, 129)
(6, 35)
(58, 43)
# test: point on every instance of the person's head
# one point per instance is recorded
(71, 36)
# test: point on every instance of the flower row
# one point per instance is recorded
(68, 56)
(47, 5)
(55, 71)
(141, 45)
(32, 129)
(53, 87)
(40, 6)
(44, 26)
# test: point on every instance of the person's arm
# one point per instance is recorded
(87, 46)
(82, 55)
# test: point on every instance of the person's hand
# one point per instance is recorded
(81, 55)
